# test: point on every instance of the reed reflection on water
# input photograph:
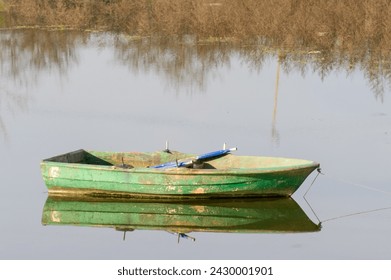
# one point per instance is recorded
(24, 56)
(187, 42)
(186, 39)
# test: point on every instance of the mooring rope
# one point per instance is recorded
(309, 205)
(350, 183)
(357, 213)
(313, 212)
(313, 181)
(360, 185)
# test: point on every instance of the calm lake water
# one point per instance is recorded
(62, 91)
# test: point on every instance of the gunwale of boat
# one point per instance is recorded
(141, 162)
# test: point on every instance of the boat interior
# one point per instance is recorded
(144, 160)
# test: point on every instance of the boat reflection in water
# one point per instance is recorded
(279, 215)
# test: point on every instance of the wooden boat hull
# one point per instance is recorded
(279, 215)
(103, 174)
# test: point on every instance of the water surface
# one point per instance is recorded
(62, 91)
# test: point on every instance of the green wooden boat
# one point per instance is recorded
(129, 174)
(267, 215)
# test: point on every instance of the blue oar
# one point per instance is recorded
(188, 162)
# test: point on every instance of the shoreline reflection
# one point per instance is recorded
(184, 61)
(188, 44)
(186, 40)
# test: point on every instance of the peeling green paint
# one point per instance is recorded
(107, 174)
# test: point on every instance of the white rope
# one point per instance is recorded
(361, 185)
(357, 213)
(353, 184)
